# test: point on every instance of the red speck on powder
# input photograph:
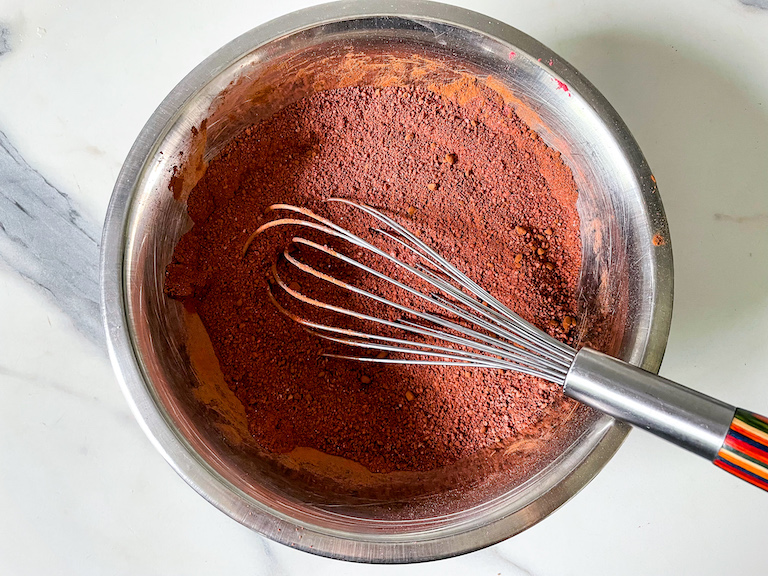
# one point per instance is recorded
(511, 54)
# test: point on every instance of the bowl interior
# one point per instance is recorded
(619, 287)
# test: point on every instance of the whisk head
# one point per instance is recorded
(462, 325)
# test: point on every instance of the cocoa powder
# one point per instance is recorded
(471, 179)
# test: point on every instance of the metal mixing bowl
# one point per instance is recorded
(179, 397)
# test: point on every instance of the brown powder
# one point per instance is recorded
(471, 179)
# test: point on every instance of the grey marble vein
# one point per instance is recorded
(5, 40)
(48, 241)
(270, 559)
(762, 4)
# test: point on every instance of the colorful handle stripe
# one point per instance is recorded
(744, 452)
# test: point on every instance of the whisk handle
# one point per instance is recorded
(744, 452)
(734, 439)
(688, 418)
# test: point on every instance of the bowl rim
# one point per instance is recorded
(164, 435)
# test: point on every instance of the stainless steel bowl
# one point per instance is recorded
(183, 405)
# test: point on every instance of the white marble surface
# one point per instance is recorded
(82, 489)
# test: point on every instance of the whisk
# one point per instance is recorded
(472, 328)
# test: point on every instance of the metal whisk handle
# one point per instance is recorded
(734, 439)
(475, 329)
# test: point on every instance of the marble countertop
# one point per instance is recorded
(83, 490)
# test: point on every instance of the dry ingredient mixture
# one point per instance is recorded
(471, 179)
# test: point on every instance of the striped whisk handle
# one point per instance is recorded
(744, 452)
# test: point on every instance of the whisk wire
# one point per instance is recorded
(491, 345)
(313, 328)
(462, 279)
(513, 344)
(457, 294)
(517, 353)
